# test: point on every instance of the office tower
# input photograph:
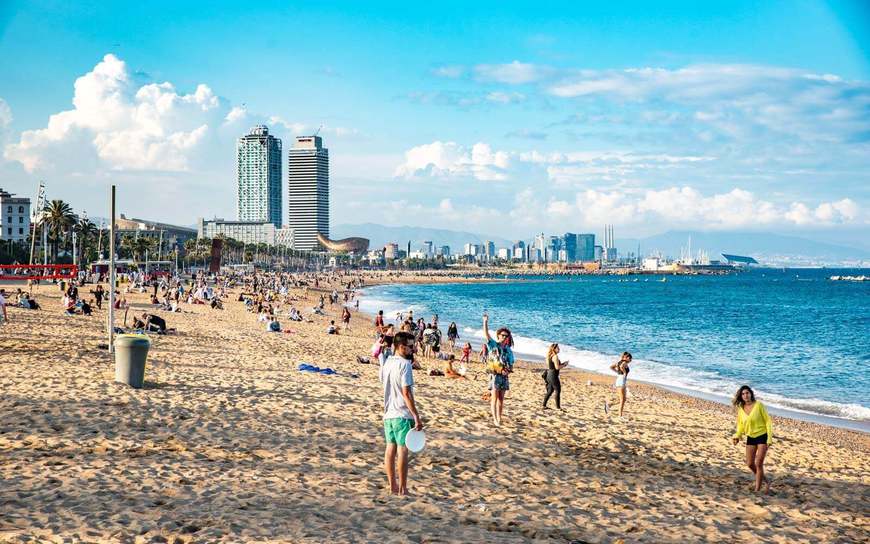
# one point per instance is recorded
(585, 248)
(258, 160)
(428, 248)
(489, 248)
(569, 246)
(308, 191)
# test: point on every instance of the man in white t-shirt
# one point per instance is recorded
(400, 412)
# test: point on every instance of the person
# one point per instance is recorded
(754, 423)
(379, 322)
(554, 385)
(86, 308)
(3, 305)
(345, 318)
(452, 335)
(332, 329)
(500, 366)
(452, 372)
(273, 325)
(466, 353)
(98, 296)
(621, 369)
(152, 322)
(400, 410)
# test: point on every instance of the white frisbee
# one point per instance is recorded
(415, 440)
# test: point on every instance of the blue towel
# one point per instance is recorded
(305, 367)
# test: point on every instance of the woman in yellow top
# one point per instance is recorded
(755, 424)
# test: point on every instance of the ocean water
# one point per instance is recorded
(797, 338)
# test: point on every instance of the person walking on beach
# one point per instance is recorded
(621, 369)
(400, 411)
(452, 335)
(554, 385)
(754, 423)
(379, 322)
(500, 366)
(345, 318)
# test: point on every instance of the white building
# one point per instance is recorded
(14, 217)
(520, 253)
(391, 251)
(248, 232)
(428, 248)
(258, 163)
(504, 253)
(308, 191)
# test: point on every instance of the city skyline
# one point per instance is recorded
(738, 117)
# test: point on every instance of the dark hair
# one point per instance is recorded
(507, 331)
(738, 398)
(626, 354)
(403, 338)
(388, 340)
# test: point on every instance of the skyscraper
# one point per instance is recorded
(308, 194)
(259, 175)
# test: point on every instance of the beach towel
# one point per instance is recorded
(304, 367)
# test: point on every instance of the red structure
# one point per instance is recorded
(38, 271)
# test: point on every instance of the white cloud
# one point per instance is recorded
(686, 206)
(513, 73)
(5, 114)
(450, 71)
(236, 114)
(502, 97)
(449, 159)
(149, 128)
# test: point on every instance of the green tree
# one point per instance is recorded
(59, 219)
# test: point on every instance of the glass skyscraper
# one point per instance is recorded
(259, 156)
(308, 191)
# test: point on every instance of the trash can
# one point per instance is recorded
(131, 351)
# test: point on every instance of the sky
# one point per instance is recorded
(505, 118)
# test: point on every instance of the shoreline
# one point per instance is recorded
(229, 442)
(861, 426)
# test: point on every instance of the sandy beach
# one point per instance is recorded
(229, 442)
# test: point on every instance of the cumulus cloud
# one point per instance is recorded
(449, 159)
(687, 206)
(5, 114)
(152, 127)
(450, 71)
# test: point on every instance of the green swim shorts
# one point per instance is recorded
(395, 430)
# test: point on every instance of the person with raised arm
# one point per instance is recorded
(499, 367)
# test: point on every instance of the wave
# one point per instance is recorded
(661, 373)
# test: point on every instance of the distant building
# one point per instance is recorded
(504, 253)
(14, 217)
(285, 237)
(172, 236)
(598, 253)
(585, 248)
(472, 250)
(308, 191)
(519, 250)
(489, 248)
(248, 232)
(391, 251)
(258, 162)
(428, 249)
(444, 251)
(569, 246)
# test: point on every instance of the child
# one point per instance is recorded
(466, 353)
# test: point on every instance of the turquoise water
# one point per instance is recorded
(801, 340)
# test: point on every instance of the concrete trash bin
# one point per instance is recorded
(131, 352)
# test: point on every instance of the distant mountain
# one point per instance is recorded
(765, 247)
(380, 235)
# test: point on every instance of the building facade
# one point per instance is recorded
(308, 191)
(585, 248)
(259, 156)
(248, 232)
(15, 217)
(166, 237)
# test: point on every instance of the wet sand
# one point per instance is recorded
(229, 442)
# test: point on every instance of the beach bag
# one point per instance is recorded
(493, 361)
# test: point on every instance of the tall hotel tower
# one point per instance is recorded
(308, 194)
(259, 169)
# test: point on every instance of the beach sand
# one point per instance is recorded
(229, 442)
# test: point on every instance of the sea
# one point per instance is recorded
(798, 338)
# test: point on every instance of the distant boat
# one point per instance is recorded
(664, 279)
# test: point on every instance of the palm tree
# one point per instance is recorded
(86, 232)
(140, 245)
(59, 218)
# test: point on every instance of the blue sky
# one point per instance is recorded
(504, 118)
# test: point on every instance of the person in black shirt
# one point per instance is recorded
(554, 385)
